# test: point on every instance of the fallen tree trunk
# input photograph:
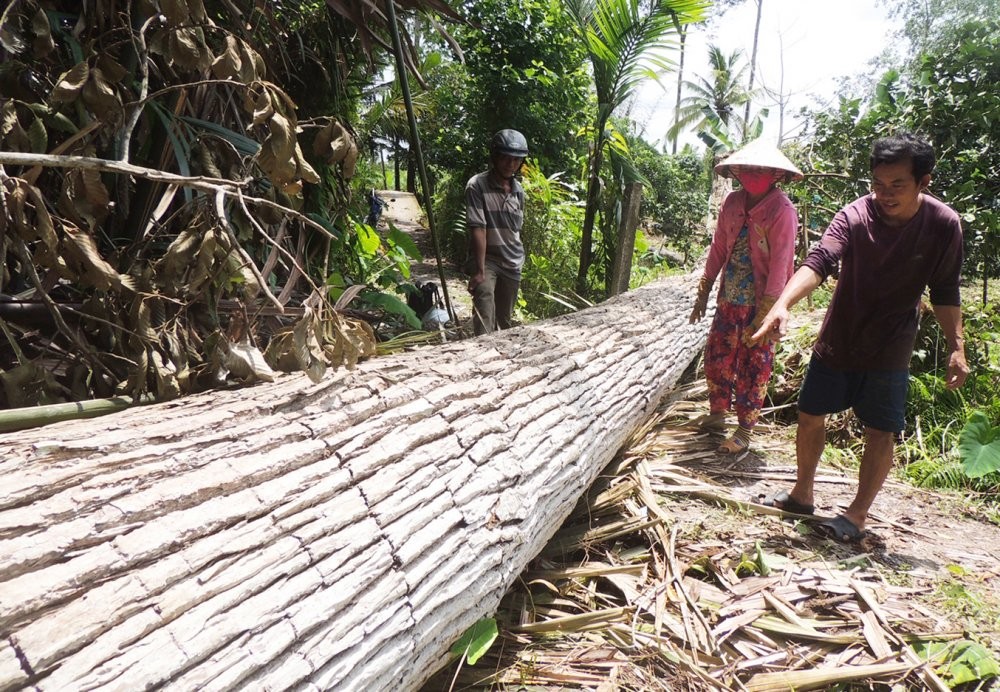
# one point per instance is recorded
(331, 536)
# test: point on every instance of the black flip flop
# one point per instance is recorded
(785, 502)
(841, 529)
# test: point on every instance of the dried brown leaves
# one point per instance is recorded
(621, 600)
(119, 282)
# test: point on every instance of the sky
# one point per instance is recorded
(804, 47)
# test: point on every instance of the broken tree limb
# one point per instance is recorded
(214, 185)
(338, 535)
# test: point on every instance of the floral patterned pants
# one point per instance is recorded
(737, 374)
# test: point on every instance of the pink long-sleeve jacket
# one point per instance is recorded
(772, 224)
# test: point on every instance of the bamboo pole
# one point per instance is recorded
(35, 416)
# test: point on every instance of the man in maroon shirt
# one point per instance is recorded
(891, 245)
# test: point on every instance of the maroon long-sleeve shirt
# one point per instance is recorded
(871, 323)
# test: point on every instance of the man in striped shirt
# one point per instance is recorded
(494, 203)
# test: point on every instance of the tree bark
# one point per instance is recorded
(621, 271)
(753, 67)
(682, 32)
(590, 212)
(339, 535)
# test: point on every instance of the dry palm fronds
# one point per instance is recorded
(625, 597)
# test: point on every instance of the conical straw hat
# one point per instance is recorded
(762, 155)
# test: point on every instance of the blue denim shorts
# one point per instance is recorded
(878, 397)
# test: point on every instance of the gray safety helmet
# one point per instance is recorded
(510, 142)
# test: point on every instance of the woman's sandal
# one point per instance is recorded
(734, 444)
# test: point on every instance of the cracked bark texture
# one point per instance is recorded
(339, 535)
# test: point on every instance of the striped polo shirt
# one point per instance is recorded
(501, 214)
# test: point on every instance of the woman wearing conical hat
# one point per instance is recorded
(753, 248)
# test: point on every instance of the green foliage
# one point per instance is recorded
(947, 94)
(362, 256)
(649, 263)
(837, 155)
(936, 415)
(712, 104)
(551, 237)
(391, 305)
(626, 42)
(929, 24)
(617, 174)
(476, 640)
(675, 200)
(979, 445)
(757, 564)
(525, 69)
(449, 207)
(954, 99)
(385, 125)
(963, 661)
(932, 469)
(960, 662)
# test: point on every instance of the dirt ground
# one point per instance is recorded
(922, 534)
(939, 544)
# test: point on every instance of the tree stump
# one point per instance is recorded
(339, 535)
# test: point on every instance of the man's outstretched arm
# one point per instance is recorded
(775, 324)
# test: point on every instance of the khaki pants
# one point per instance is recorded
(493, 302)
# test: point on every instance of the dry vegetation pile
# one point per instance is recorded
(666, 578)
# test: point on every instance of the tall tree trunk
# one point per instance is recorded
(590, 213)
(339, 535)
(753, 67)
(625, 240)
(682, 32)
(395, 162)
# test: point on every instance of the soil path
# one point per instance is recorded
(403, 209)
(920, 532)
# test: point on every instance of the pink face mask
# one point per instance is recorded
(756, 183)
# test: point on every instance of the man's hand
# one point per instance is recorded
(958, 370)
(950, 319)
(701, 300)
(773, 326)
(475, 280)
(763, 308)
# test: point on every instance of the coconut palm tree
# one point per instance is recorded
(715, 99)
(627, 41)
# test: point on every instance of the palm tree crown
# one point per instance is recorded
(717, 98)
